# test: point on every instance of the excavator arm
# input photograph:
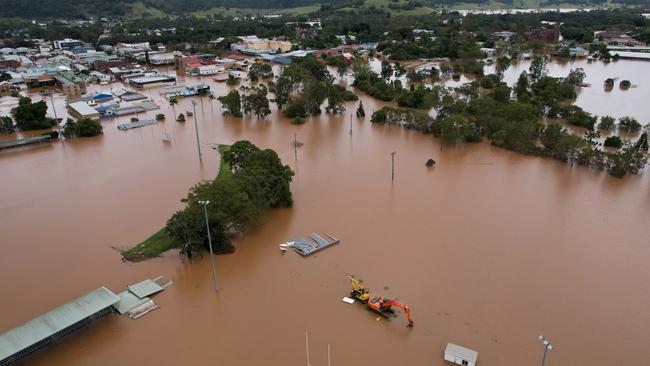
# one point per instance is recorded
(358, 291)
(390, 303)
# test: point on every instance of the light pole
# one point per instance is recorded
(196, 127)
(547, 347)
(392, 170)
(207, 225)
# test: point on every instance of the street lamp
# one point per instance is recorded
(547, 347)
(207, 225)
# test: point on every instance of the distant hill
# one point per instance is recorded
(69, 9)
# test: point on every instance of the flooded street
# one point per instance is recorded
(489, 248)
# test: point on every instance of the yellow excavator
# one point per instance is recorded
(379, 305)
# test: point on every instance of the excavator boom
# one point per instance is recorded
(404, 307)
(358, 291)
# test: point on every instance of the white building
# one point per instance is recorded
(80, 110)
(67, 44)
(132, 47)
(460, 355)
(207, 70)
(166, 58)
(101, 77)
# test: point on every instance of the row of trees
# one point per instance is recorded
(258, 181)
(299, 91)
(465, 114)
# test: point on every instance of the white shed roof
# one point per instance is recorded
(462, 352)
(82, 108)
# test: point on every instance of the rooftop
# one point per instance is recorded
(50, 323)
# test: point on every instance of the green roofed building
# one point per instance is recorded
(54, 325)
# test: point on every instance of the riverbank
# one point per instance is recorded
(160, 241)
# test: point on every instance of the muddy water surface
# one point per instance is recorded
(489, 248)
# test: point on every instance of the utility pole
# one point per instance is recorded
(56, 118)
(207, 225)
(350, 123)
(392, 171)
(547, 347)
(196, 127)
(295, 145)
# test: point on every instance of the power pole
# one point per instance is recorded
(196, 127)
(56, 118)
(295, 145)
(392, 170)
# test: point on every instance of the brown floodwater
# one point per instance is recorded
(489, 248)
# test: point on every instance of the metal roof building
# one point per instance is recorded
(52, 326)
(631, 55)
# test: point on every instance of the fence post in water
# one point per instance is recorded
(307, 347)
(328, 356)
(392, 170)
(196, 127)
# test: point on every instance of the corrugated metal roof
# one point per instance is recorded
(637, 55)
(54, 321)
(145, 288)
(129, 301)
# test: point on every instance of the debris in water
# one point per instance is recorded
(306, 247)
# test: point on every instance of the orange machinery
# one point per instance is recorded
(379, 305)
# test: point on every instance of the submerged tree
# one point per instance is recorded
(360, 111)
(625, 84)
(607, 123)
(172, 102)
(537, 67)
(503, 63)
(628, 124)
(231, 103)
(613, 141)
(6, 125)
(576, 76)
(386, 69)
(31, 116)
(256, 102)
(85, 127)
